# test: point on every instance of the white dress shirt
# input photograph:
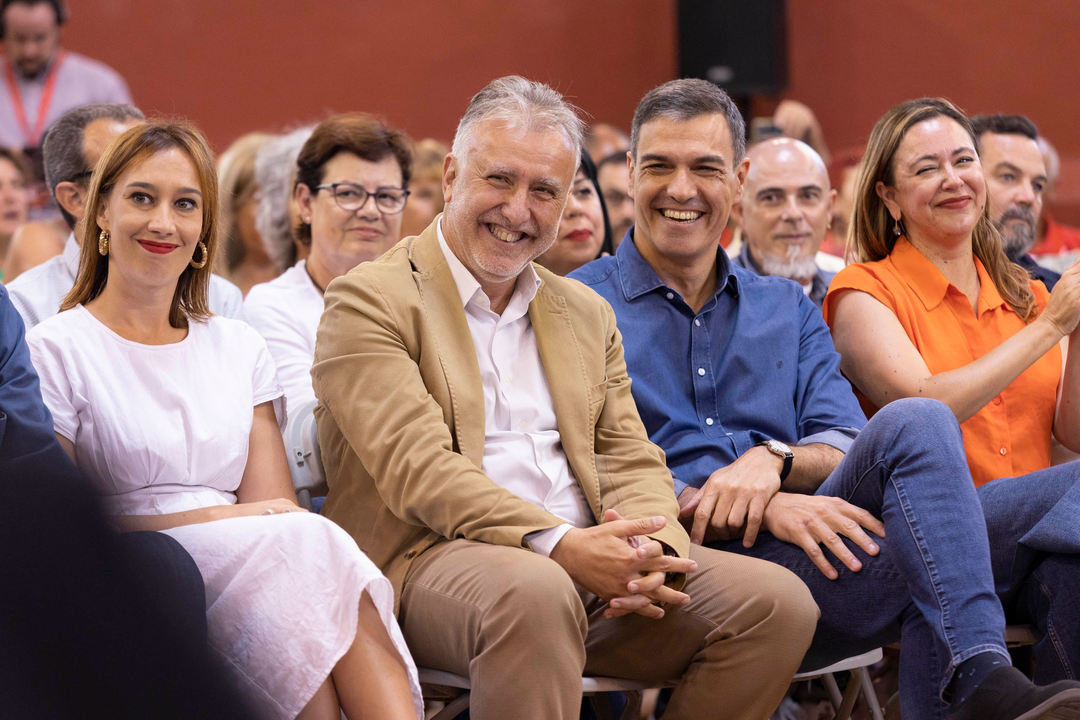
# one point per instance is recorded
(522, 448)
(38, 292)
(286, 312)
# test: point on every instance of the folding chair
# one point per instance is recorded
(305, 460)
(594, 687)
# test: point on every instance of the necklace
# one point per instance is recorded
(321, 289)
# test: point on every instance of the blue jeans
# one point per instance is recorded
(1034, 530)
(932, 584)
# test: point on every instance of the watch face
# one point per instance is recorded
(779, 448)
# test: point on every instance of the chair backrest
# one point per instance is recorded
(305, 460)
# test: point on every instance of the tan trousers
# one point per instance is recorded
(524, 633)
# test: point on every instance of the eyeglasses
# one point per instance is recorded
(351, 197)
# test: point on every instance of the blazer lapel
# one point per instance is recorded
(446, 318)
(564, 367)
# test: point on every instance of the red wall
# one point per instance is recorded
(240, 65)
(853, 59)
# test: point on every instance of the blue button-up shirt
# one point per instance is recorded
(756, 363)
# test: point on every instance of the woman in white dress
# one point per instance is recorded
(175, 416)
(352, 182)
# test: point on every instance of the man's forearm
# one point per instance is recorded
(809, 468)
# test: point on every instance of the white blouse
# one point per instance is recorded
(286, 312)
(156, 428)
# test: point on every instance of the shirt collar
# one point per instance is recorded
(638, 277)
(528, 282)
(931, 285)
(71, 255)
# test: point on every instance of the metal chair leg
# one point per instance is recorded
(833, 689)
(454, 707)
(869, 694)
(850, 696)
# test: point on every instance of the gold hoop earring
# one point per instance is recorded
(103, 243)
(205, 257)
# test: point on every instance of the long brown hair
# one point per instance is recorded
(871, 235)
(190, 301)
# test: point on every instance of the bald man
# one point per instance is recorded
(784, 214)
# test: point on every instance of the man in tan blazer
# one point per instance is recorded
(482, 446)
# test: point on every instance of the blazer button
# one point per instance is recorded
(410, 555)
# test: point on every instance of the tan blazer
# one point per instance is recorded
(401, 412)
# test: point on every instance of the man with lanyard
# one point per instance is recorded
(42, 81)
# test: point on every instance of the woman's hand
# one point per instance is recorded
(266, 507)
(1063, 309)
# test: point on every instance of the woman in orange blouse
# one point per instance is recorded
(934, 309)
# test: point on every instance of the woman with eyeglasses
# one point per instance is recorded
(352, 182)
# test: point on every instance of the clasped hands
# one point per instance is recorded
(744, 498)
(618, 562)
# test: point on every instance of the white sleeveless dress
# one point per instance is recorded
(163, 429)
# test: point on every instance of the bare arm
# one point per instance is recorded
(879, 358)
(810, 466)
(1067, 418)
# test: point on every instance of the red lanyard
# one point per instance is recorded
(33, 139)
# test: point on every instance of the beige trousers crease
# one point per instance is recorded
(524, 633)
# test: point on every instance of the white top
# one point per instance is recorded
(79, 81)
(522, 448)
(157, 428)
(286, 313)
(38, 292)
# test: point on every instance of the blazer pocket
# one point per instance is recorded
(597, 393)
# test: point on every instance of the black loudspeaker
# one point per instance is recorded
(741, 45)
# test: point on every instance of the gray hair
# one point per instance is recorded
(275, 167)
(516, 100)
(687, 99)
(62, 148)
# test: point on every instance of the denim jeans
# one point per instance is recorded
(1034, 529)
(932, 584)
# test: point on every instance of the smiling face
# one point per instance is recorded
(1015, 180)
(13, 200)
(342, 239)
(31, 36)
(581, 231)
(785, 208)
(505, 198)
(684, 182)
(154, 217)
(938, 187)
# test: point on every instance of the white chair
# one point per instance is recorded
(859, 684)
(305, 460)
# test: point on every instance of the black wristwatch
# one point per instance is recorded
(780, 450)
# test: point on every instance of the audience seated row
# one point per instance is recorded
(174, 415)
(485, 445)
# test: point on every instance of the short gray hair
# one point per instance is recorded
(685, 100)
(275, 167)
(62, 148)
(517, 100)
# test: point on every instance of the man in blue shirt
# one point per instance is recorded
(736, 379)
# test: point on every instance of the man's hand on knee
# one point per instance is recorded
(732, 501)
(618, 562)
(812, 520)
